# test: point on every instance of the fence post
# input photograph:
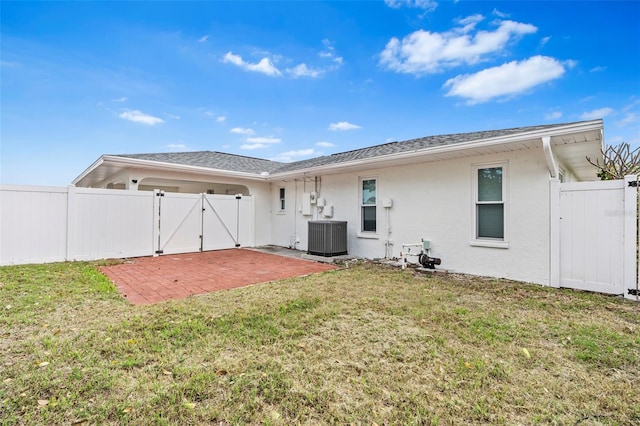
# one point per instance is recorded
(630, 273)
(554, 232)
(155, 243)
(71, 223)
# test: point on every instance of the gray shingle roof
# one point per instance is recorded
(212, 160)
(409, 145)
(239, 163)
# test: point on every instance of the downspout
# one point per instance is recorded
(548, 155)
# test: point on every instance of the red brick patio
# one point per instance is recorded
(147, 280)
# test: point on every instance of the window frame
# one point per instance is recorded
(282, 199)
(488, 241)
(361, 232)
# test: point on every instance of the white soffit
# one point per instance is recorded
(572, 152)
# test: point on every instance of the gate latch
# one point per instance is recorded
(633, 183)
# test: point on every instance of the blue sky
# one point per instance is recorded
(292, 80)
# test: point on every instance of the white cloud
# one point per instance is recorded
(425, 52)
(428, 5)
(325, 144)
(596, 113)
(140, 117)
(122, 99)
(597, 69)
(233, 59)
(544, 41)
(172, 116)
(499, 14)
(219, 118)
(468, 23)
(264, 140)
(265, 66)
(629, 118)
(295, 155)
(554, 115)
(203, 39)
(343, 125)
(329, 53)
(241, 131)
(505, 80)
(303, 70)
(253, 146)
(177, 147)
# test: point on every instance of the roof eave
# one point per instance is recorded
(477, 143)
(88, 170)
(150, 164)
(183, 168)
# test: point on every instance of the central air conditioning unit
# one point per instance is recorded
(327, 238)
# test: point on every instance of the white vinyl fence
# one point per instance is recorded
(594, 236)
(49, 224)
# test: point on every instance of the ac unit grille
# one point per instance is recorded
(327, 238)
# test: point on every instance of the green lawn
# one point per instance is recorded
(364, 345)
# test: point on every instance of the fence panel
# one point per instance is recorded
(597, 236)
(47, 224)
(591, 236)
(33, 224)
(110, 223)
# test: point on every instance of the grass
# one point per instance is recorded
(363, 345)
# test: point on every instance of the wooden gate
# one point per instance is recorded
(597, 241)
(189, 223)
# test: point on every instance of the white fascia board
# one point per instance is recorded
(480, 143)
(124, 161)
(88, 170)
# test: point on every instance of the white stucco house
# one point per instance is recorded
(482, 199)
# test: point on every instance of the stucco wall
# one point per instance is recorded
(434, 201)
(289, 226)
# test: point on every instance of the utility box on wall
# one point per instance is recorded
(306, 204)
(327, 238)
